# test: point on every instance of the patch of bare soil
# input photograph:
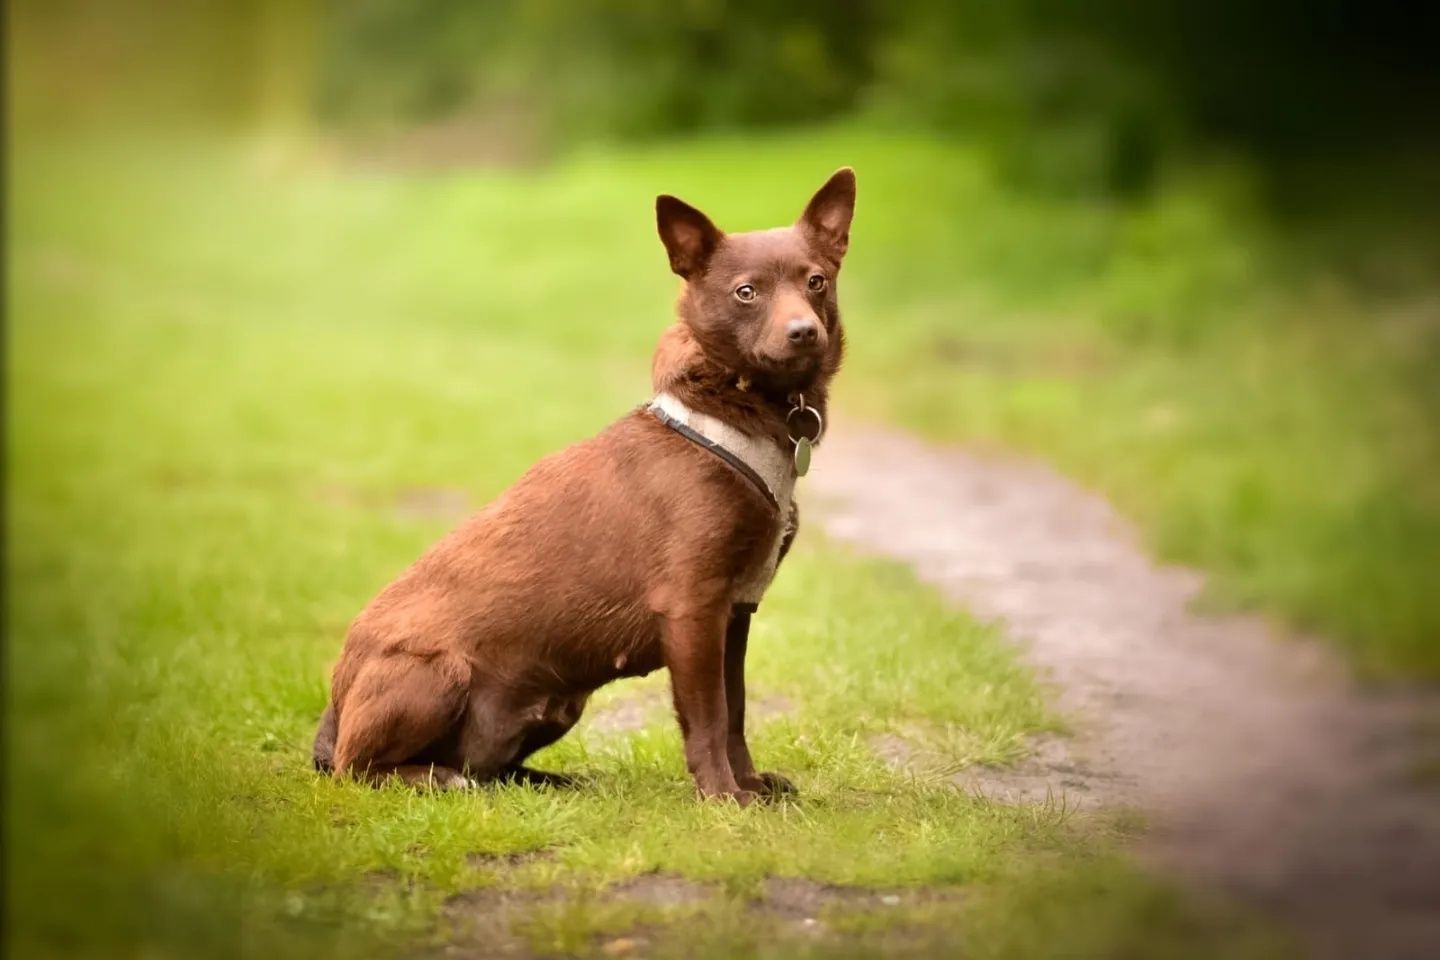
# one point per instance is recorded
(483, 922)
(486, 920)
(1050, 773)
(1261, 765)
(806, 901)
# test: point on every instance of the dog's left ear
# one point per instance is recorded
(826, 220)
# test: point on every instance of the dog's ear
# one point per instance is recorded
(826, 220)
(688, 234)
(676, 354)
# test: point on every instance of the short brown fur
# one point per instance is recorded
(615, 556)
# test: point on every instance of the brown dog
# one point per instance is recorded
(647, 545)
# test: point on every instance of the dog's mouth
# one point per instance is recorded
(789, 368)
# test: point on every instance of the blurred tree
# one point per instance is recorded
(598, 67)
(1069, 96)
(287, 55)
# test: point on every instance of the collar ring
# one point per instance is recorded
(795, 427)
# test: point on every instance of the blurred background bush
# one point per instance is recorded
(1112, 90)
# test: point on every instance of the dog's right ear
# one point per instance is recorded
(688, 234)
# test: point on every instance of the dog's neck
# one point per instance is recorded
(749, 402)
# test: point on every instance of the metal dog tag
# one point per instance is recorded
(802, 457)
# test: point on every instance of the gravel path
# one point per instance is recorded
(1260, 765)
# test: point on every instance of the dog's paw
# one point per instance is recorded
(776, 786)
(455, 780)
(543, 778)
(768, 786)
(434, 778)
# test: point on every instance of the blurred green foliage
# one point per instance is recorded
(1094, 97)
(598, 68)
(1104, 89)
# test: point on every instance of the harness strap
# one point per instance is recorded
(700, 440)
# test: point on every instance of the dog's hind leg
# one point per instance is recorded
(398, 706)
(557, 723)
(500, 731)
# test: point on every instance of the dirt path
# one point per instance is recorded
(1259, 764)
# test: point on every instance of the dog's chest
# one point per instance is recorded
(766, 465)
(754, 583)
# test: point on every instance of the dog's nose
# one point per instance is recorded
(801, 330)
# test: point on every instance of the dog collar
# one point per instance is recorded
(770, 469)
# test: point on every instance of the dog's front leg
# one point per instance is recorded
(694, 648)
(737, 639)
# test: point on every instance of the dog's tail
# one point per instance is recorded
(323, 754)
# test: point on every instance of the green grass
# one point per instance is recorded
(228, 387)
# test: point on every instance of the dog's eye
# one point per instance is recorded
(745, 292)
(817, 282)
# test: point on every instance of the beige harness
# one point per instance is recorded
(758, 458)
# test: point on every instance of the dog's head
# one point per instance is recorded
(764, 304)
